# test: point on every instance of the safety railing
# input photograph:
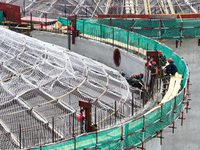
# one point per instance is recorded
(142, 129)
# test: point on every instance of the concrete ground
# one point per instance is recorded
(187, 137)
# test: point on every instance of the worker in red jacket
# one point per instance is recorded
(81, 118)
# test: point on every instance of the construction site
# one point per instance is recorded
(66, 67)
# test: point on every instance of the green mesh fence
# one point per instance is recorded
(1, 17)
(157, 29)
(130, 134)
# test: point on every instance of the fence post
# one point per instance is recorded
(132, 103)
(31, 22)
(24, 7)
(83, 27)
(53, 130)
(96, 140)
(160, 23)
(86, 12)
(46, 21)
(133, 25)
(101, 32)
(20, 136)
(65, 11)
(74, 142)
(127, 40)
(69, 39)
(138, 45)
(181, 30)
(115, 112)
(73, 125)
(143, 134)
(113, 36)
(122, 136)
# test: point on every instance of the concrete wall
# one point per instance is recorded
(187, 137)
(95, 50)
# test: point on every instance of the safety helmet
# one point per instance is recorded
(142, 75)
(160, 52)
(153, 63)
(170, 60)
(69, 27)
(72, 28)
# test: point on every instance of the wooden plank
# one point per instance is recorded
(170, 90)
(175, 85)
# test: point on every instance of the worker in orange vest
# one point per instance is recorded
(153, 72)
(136, 80)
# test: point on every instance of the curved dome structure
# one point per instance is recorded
(41, 82)
(91, 8)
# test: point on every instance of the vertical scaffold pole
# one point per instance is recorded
(101, 33)
(24, 8)
(96, 140)
(122, 137)
(160, 23)
(161, 124)
(83, 27)
(73, 125)
(113, 37)
(138, 45)
(20, 136)
(132, 103)
(182, 118)
(181, 29)
(45, 21)
(95, 119)
(31, 21)
(173, 111)
(115, 112)
(53, 130)
(127, 40)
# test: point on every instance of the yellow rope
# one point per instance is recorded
(179, 6)
(117, 109)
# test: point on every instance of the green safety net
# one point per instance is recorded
(1, 17)
(155, 28)
(133, 133)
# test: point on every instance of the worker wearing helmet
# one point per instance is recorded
(153, 72)
(171, 68)
(136, 80)
(161, 59)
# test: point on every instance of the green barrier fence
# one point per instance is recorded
(137, 131)
(157, 29)
(1, 17)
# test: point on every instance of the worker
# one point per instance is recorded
(153, 72)
(161, 60)
(171, 68)
(81, 118)
(41, 25)
(136, 80)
